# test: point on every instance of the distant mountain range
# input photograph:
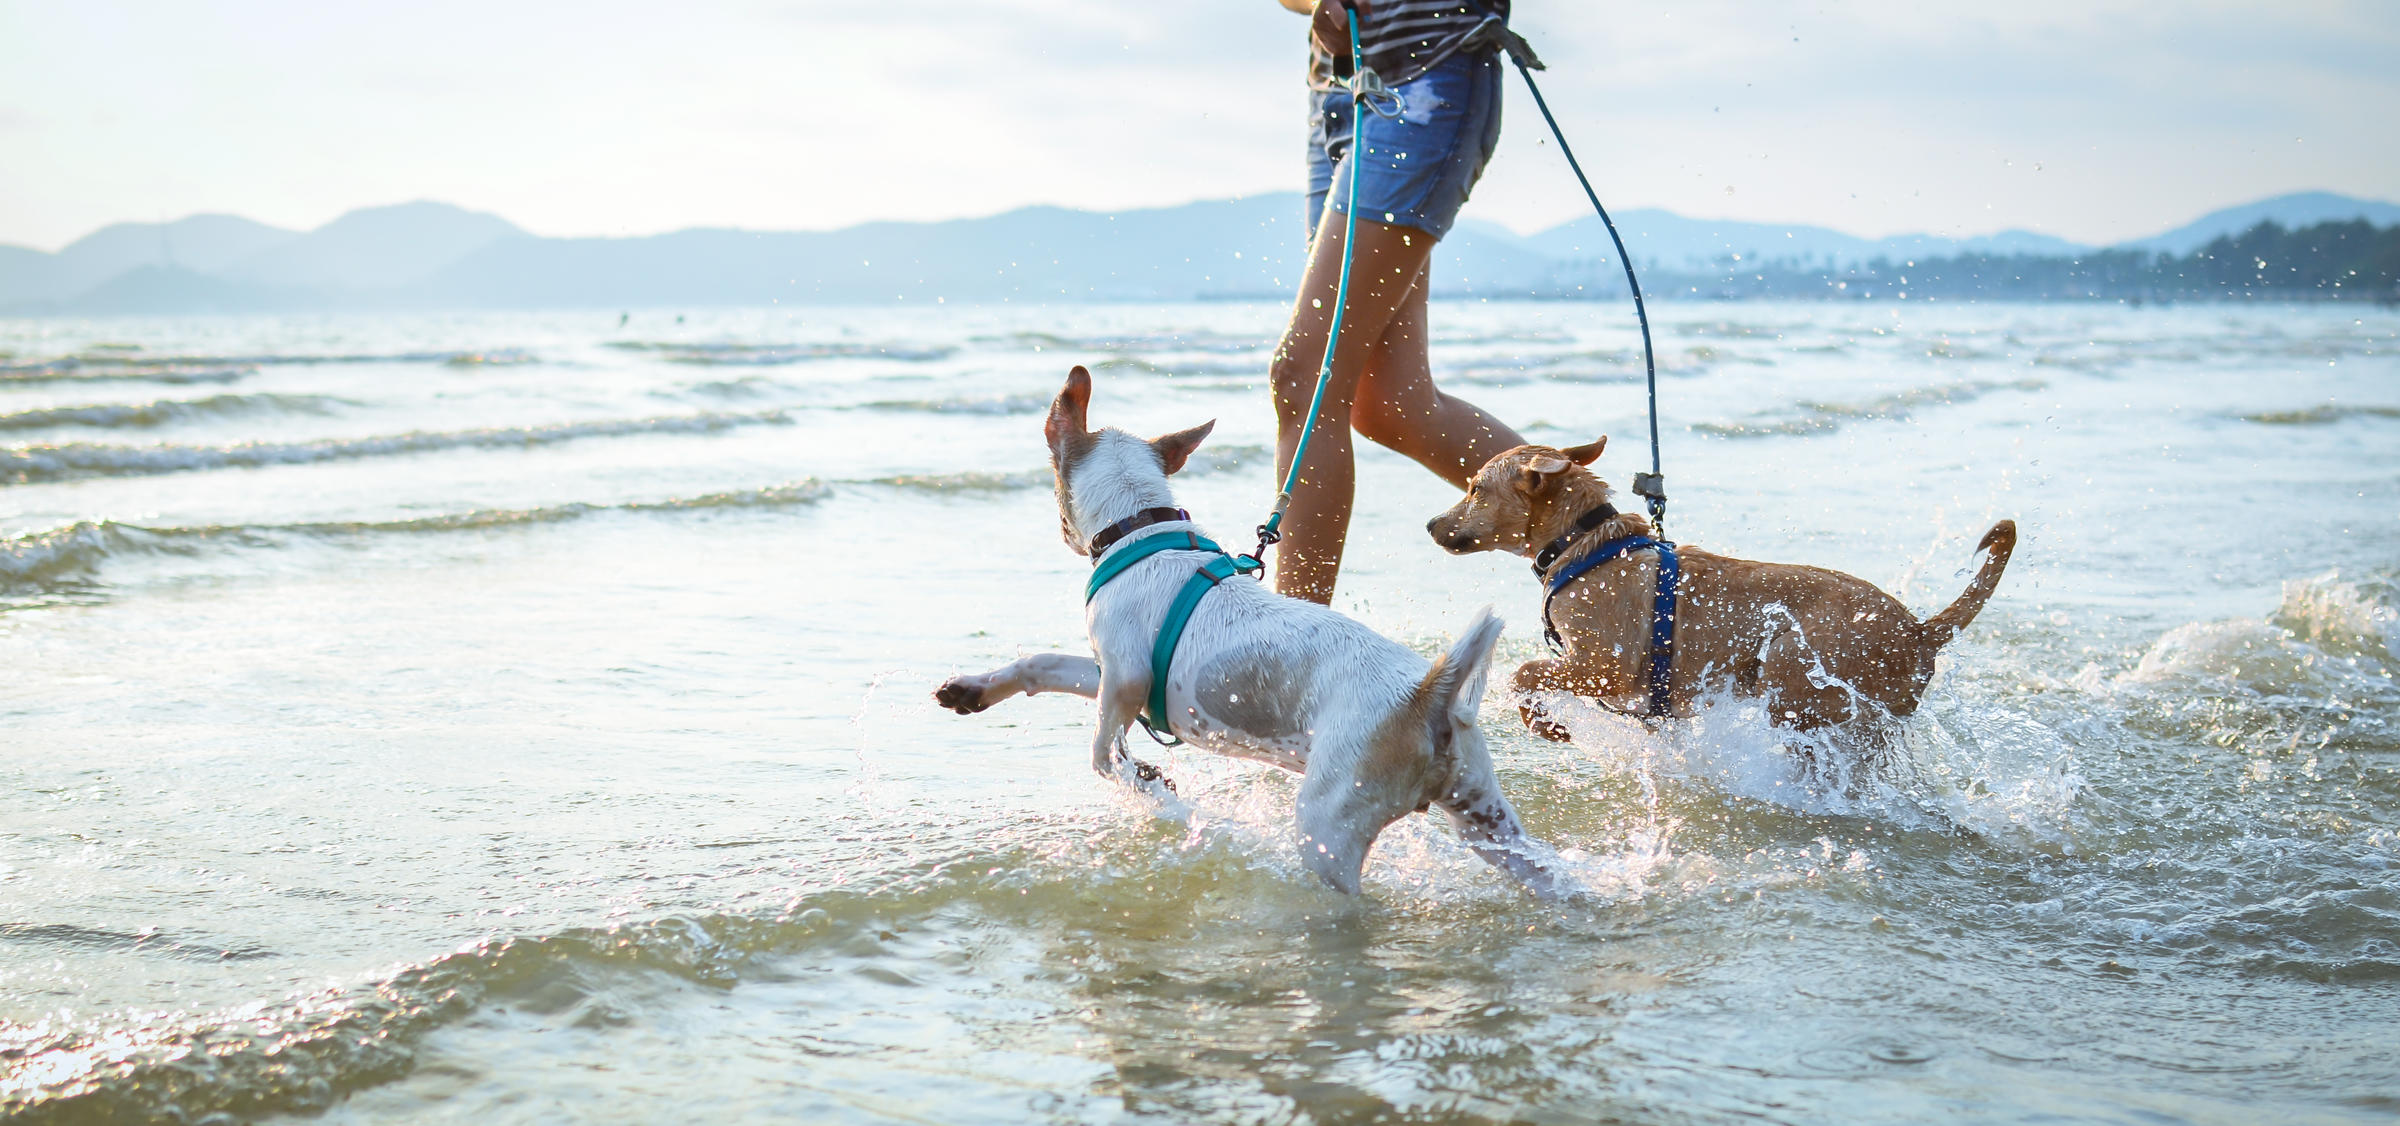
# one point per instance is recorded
(433, 255)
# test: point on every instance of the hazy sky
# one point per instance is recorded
(2094, 119)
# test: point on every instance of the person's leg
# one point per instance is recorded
(1385, 270)
(1398, 407)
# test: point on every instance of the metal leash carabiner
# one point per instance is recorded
(1367, 89)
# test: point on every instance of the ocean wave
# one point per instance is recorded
(75, 552)
(1205, 460)
(780, 355)
(144, 373)
(1820, 417)
(24, 464)
(2294, 704)
(745, 387)
(2348, 617)
(1728, 330)
(1225, 458)
(1513, 371)
(187, 947)
(2321, 415)
(1504, 336)
(129, 362)
(1199, 340)
(2310, 647)
(967, 481)
(308, 1052)
(163, 411)
(47, 559)
(1944, 348)
(1256, 369)
(1021, 404)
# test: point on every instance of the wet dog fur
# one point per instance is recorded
(1820, 648)
(1374, 731)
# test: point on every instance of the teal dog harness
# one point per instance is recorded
(1179, 612)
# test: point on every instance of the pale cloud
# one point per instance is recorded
(2097, 119)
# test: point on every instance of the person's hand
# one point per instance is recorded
(1329, 28)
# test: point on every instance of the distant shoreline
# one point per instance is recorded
(2331, 262)
(432, 256)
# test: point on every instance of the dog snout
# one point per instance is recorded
(1456, 543)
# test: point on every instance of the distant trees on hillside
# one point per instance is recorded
(2349, 261)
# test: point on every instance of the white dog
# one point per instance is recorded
(1374, 732)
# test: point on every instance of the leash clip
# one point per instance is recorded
(1367, 89)
(1652, 488)
(1652, 485)
(1256, 562)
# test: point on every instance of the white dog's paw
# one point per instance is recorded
(962, 694)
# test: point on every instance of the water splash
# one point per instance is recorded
(1957, 764)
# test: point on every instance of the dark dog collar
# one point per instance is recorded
(1130, 525)
(1583, 526)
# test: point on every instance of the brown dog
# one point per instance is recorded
(1819, 647)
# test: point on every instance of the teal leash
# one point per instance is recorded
(1364, 86)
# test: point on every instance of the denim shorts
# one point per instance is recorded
(1420, 165)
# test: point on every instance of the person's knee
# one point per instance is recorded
(1295, 380)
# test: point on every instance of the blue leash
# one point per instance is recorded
(1651, 486)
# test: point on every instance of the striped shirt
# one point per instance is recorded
(1405, 38)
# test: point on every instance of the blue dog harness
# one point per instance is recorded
(1662, 607)
(1179, 612)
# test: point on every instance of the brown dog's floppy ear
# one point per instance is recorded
(1585, 455)
(1176, 448)
(1543, 470)
(1067, 411)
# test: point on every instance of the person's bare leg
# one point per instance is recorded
(1386, 267)
(1398, 407)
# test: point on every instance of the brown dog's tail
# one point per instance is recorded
(2000, 541)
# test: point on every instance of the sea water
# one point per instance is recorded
(526, 717)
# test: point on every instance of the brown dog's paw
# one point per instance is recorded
(959, 695)
(1541, 724)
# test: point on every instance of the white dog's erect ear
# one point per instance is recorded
(1585, 455)
(1176, 448)
(1067, 411)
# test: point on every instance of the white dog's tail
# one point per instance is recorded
(1472, 795)
(1456, 681)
